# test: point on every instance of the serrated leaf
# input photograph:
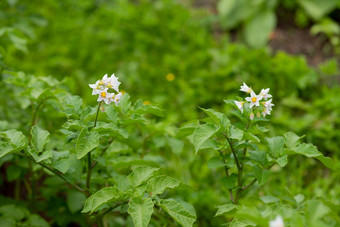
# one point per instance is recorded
(39, 138)
(141, 211)
(202, 133)
(100, 198)
(86, 142)
(291, 140)
(159, 184)
(225, 208)
(181, 214)
(276, 146)
(140, 174)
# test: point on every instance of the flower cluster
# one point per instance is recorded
(264, 107)
(101, 88)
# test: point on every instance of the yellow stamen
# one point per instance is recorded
(109, 86)
(101, 82)
(103, 94)
(253, 99)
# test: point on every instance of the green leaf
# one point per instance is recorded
(259, 156)
(15, 142)
(37, 221)
(187, 128)
(236, 133)
(141, 211)
(291, 140)
(202, 133)
(262, 21)
(276, 146)
(75, 201)
(112, 129)
(39, 138)
(13, 172)
(140, 174)
(316, 8)
(182, 214)
(215, 162)
(158, 184)
(262, 175)
(220, 119)
(105, 195)
(14, 211)
(39, 158)
(225, 208)
(270, 199)
(241, 223)
(282, 161)
(86, 142)
(311, 151)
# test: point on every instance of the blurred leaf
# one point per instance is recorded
(317, 9)
(311, 151)
(258, 28)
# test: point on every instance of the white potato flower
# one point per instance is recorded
(239, 105)
(102, 89)
(245, 88)
(254, 102)
(277, 222)
(265, 94)
(254, 99)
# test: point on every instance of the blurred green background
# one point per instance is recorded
(185, 54)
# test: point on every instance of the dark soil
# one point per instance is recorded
(287, 36)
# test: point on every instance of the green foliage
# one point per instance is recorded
(142, 167)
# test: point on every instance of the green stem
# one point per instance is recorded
(54, 171)
(239, 169)
(89, 162)
(227, 173)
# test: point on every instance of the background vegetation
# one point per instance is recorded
(177, 57)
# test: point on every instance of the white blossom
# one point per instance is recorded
(245, 88)
(277, 222)
(103, 88)
(239, 105)
(265, 94)
(254, 99)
